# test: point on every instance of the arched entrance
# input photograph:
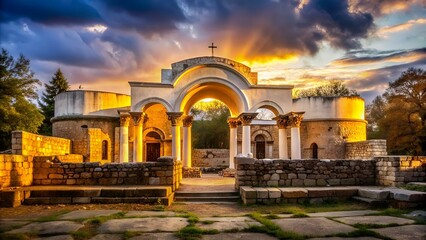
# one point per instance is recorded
(260, 145)
(153, 146)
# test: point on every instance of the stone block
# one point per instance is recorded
(81, 200)
(293, 192)
(407, 195)
(309, 182)
(261, 193)
(154, 181)
(292, 175)
(320, 192)
(374, 193)
(272, 183)
(297, 182)
(248, 192)
(275, 177)
(249, 201)
(274, 192)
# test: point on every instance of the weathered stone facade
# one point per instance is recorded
(365, 149)
(303, 173)
(29, 144)
(165, 171)
(191, 172)
(399, 170)
(15, 170)
(210, 158)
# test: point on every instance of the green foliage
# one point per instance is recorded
(56, 85)
(419, 188)
(17, 88)
(210, 128)
(333, 88)
(400, 114)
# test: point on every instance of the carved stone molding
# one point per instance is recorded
(124, 120)
(174, 117)
(246, 118)
(187, 120)
(282, 121)
(233, 122)
(138, 117)
(295, 119)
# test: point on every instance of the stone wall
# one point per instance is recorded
(210, 157)
(15, 170)
(399, 170)
(165, 171)
(303, 173)
(29, 144)
(365, 149)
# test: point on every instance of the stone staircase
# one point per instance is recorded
(207, 197)
(395, 197)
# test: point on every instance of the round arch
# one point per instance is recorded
(218, 65)
(266, 134)
(156, 130)
(215, 88)
(270, 105)
(140, 106)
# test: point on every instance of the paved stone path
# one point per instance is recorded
(138, 225)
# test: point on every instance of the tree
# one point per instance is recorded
(333, 88)
(405, 114)
(374, 113)
(210, 128)
(17, 88)
(56, 85)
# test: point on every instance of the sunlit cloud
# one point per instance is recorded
(400, 27)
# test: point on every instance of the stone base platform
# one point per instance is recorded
(86, 194)
(399, 198)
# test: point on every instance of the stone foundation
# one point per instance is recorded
(193, 172)
(165, 171)
(303, 173)
(15, 170)
(365, 149)
(399, 170)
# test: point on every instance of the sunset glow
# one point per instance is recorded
(102, 45)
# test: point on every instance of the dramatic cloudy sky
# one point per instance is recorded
(103, 44)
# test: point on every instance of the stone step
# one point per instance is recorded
(407, 195)
(371, 201)
(208, 199)
(206, 194)
(378, 194)
(104, 192)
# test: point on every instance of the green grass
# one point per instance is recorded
(271, 228)
(52, 217)
(372, 225)
(207, 222)
(391, 212)
(193, 233)
(129, 234)
(420, 188)
(363, 232)
(299, 215)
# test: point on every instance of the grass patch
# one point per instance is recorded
(52, 217)
(412, 187)
(272, 216)
(207, 222)
(391, 212)
(129, 234)
(82, 234)
(192, 218)
(300, 215)
(271, 228)
(193, 233)
(361, 233)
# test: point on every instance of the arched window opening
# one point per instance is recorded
(260, 146)
(314, 148)
(104, 150)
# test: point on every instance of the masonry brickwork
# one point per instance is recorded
(15, 170)
(210, 158)
(365, 149)
(399, 170)
(165, 171)
(303, 173)
(29, 144)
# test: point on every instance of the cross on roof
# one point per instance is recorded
(212, 47)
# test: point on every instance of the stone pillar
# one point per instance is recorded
(233, 124)
(246, 119)
(282, 136)
(174, 118)
(138, 119)
(124, 136)
(294, 121)
(187, 141)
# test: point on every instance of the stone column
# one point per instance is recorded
(233, 124)
(294, 121)
(138, 119)
(246, 119)
(124, 136)
(174, 118)
(282, 136)
(187, 141)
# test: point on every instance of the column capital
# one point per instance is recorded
(124, 118)
(138, 117)
(294, 119)
(174, 117)
(282, 121)
(187, 120)
(246, 118)
(233, 122)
